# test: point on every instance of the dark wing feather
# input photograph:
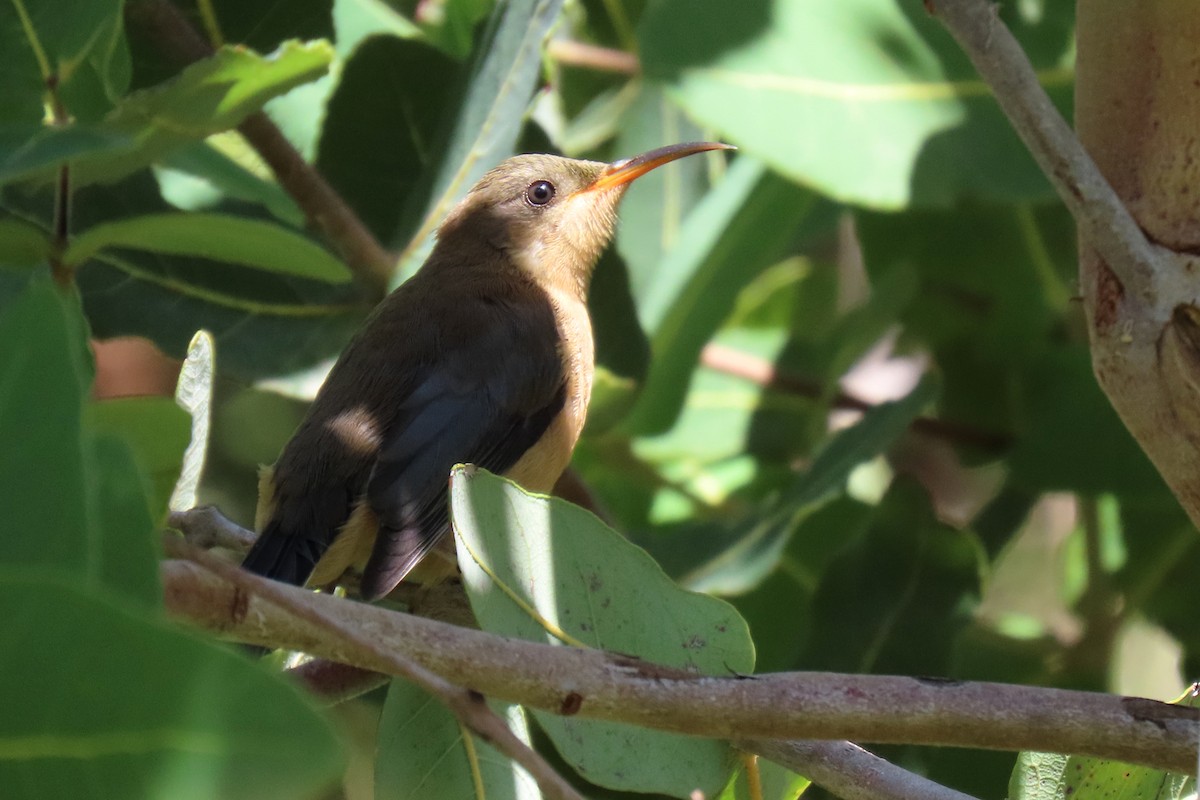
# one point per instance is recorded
(455, 366)
(488, 399)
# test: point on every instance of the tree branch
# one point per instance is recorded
(608, 686)
(323, 207)
(849, 771)
(760, 371)
(468, 705)
(1104, 221)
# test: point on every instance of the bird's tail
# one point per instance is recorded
(281, 556)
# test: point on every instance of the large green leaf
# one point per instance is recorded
(262, 323)
(754, 547)
(1050, 776)
(45, 370)
(656, 205)
(99, 703)
(888, 601)
(1038, 776)
(156, 429)
(489, 110)
(1071, 438)
(389, 103)
(542, 569)
(74, 500)
(82, 45)
(739, 229)
(868, 101)
(217, 237)
(212, 95)
(27, 150)
(22, 244)
(424, 752)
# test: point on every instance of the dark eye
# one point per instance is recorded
(539, 193)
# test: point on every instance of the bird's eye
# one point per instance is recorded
(539, 193)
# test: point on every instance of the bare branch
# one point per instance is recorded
(599, 685)
(851, 772)
(206, 527)
(323, 207)
(468, 705)
(1103, 219)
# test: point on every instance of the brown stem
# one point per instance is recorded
(851, 772)
(599, 685)
(323, 207)
(589, 56)
(763, 373)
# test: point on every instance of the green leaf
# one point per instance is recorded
(423, 752)
(356, 20)
(81, 45)
(488, 111)
(1072, 439)
(45, 370)
(594, 589)
(199, 176)
(74, 501)
(622, 351)
(157, 431)
(210, 96)
(739, 229)
(868, 101)
(218, 237)
(22, 244)
(194, 394)
(1051, 776)
(757, 544)
(125, 553)
(101, 703)
(655, 207)
(1038, 776)
(390, 102)
(264, 323)
(777, 783)
(893, 600)
(29, 150)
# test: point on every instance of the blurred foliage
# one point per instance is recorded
(881, 235)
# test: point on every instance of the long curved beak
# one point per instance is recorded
(622, 172)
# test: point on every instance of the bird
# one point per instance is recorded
(484, 356)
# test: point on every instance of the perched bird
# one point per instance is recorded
(485, 356)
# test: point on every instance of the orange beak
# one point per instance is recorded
(622, 172)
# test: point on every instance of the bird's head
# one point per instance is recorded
(551, 216)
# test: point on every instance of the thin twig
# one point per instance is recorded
(1103, 220)
(762, 372)
(571, 53)
(851, 772)
(323, 207)
(599, 685)
(467, 705)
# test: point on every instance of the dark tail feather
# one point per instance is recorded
(282, 556)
